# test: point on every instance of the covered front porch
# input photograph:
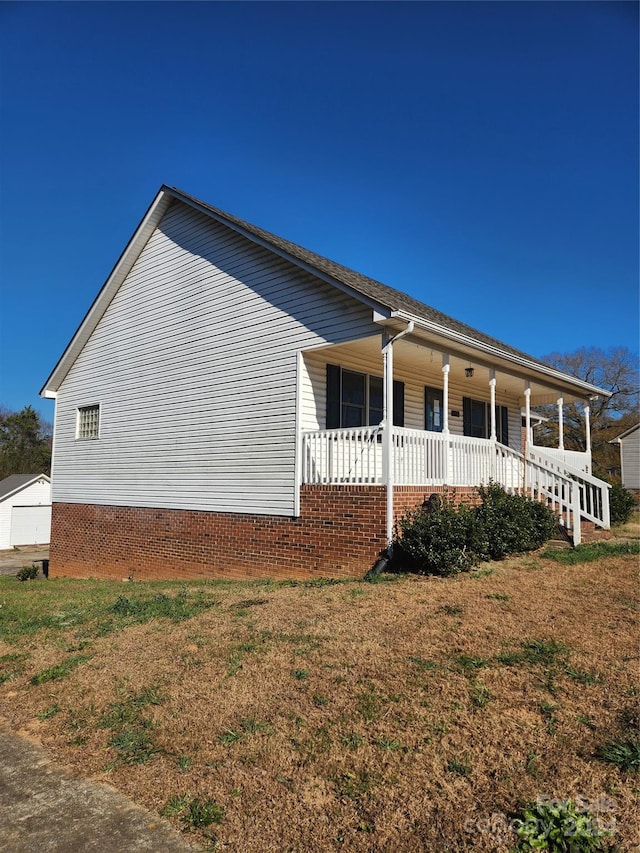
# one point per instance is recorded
(406, 409)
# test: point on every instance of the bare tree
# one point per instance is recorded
(616, 371)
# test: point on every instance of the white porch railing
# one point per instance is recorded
(342, 456)
(589, 496)
(575, 458)
(421, 458)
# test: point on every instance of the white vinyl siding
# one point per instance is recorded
(314, 392)
(630, 460)
(194, 364)
(38, 494)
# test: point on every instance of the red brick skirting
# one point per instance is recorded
(339, 534)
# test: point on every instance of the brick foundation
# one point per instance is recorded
(410, 497)
(590, 533)
(339, 533)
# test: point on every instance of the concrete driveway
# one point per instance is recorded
(16, 558)
(44, 809)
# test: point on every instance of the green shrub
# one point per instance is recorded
(558, 826)
(28, 573)
(512, 523)
(439, 540)
(442, 539)
(621, 504)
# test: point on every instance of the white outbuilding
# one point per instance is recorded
(629, 442)
(25, 510)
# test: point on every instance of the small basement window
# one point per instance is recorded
(88, 422)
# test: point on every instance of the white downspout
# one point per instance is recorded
(387, 356)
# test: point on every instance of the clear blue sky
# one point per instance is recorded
(480, 156)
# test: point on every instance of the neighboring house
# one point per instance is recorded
(235, 405)
(25, 510)
(629, 442)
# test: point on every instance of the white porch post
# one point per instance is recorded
(587, 426)
(492, 389)
(387, 416)
(446, 367)
(493, 435)
(587, 432)
(560, 424)
(528, 433)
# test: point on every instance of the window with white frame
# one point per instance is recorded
(356, 399)
(88, 422)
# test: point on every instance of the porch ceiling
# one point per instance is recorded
(423, 354)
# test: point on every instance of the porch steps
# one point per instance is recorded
(562, 538)
(559, 544)
(589, 532)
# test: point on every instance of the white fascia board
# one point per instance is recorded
(457, 337)
(624, 434)
(109, 289)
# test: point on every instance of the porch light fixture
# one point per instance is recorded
(468, 372)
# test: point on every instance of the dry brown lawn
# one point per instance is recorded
(412, 714)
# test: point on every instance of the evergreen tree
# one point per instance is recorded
(25, 443)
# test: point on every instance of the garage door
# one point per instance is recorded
(30, 525)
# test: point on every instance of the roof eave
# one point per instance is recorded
(587, 390)
(123, 265)
(624, 434)
(25, 485)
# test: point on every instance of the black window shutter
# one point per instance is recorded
(504, 417)
(333, 396)
(466, 415)
(398, 403)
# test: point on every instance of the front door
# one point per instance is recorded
(433, 412)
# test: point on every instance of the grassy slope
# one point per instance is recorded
(349, 717)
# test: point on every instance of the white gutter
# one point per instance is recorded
(387, 356)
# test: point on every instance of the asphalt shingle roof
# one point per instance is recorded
(384, 295)
(14, 481)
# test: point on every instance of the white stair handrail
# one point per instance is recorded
(594, 493)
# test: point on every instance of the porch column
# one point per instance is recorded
(446, 367)
(492, 389)
(528, 434)
(387, 413)
(587, 427)
(387, 435)
(587, 432)
(560, 424)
